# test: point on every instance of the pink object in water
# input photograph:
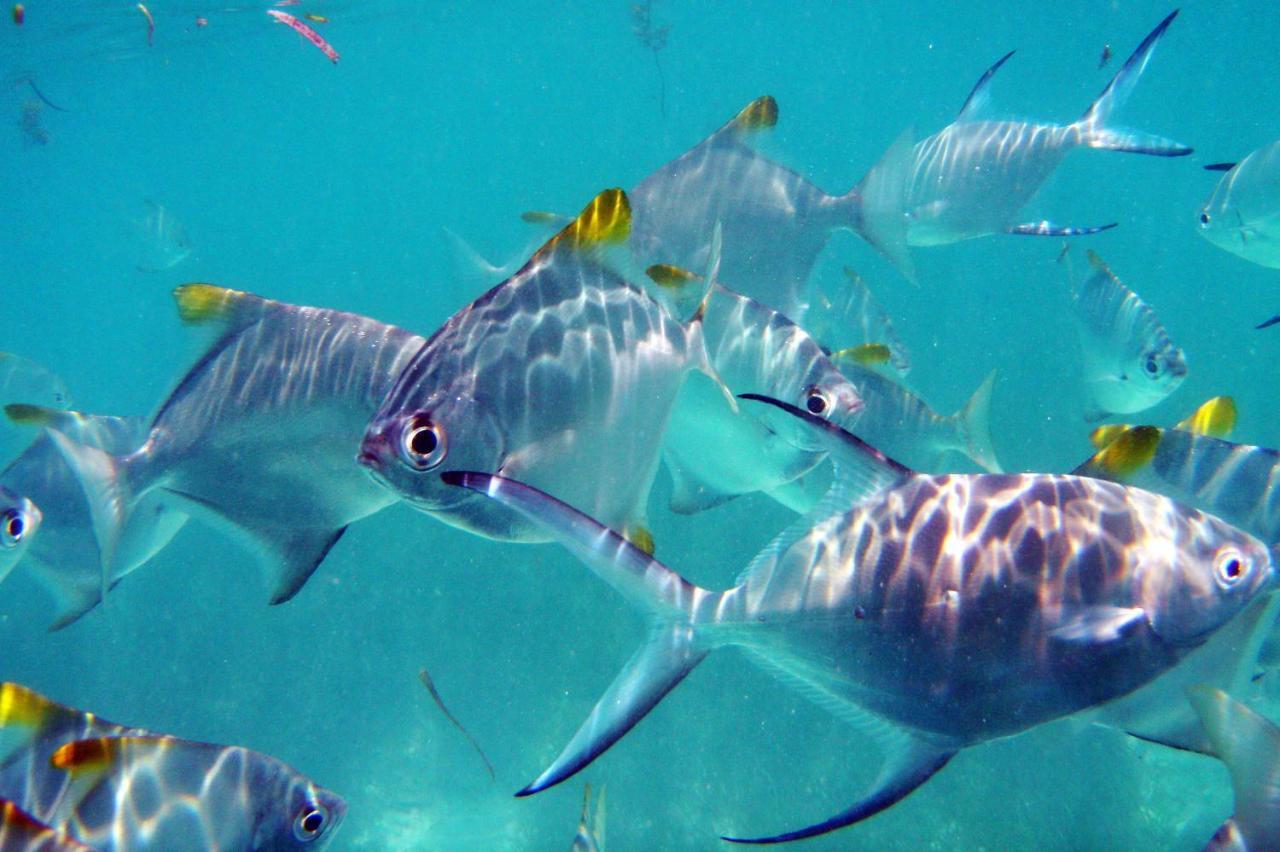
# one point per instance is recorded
(306, 32)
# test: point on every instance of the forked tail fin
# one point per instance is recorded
(881, 212)
(973, 423)
(672, 649)
(1095, 125)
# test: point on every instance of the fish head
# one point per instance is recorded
(406, 448)
(1155, 373)
(309, 818)
(1212, 572)
(19, 521)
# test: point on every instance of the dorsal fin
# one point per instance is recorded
(760, 114)
(605, 221)
(1102, 436)
(1215, 417)
(670, 276)
(980, 95)
(25, 713)
(202, 304)
(1124, 456)
(866, 354)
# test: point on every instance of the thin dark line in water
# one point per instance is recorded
(435, 696)
(1275, 319)
(40, 95)
(662, 86)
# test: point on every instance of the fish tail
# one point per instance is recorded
(973, 425)
(1249, 745)
(1095, 128)
(879, 205)
(673, 647)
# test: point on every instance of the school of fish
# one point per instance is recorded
(921, 594)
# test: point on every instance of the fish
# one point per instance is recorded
(973, 177)
(19, 14)
(20, 521)
(568, 365)
(1129, 362)
(67, 559)
(314, 18)
(113, 787)
(902, 424)
(714, 453)
(775, 221)
(1249, 745)
(1242, 214)
(307, 33)
(851, 315)
(25, 381)
(591, 827)
(1104, 57)
(163, 239)
(258, 436)
(941, 611)
(21, 832)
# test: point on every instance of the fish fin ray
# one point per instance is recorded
(879, 202)
(1099, 624)
(761, 114)
(605, 221)
(1119, 460)
(973, 422)
(689, 495)
(1215, 417)
(1247, 743)
(980, 96)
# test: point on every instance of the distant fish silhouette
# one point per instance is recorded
(163, 238)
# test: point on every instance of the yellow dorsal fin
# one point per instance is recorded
(1130, 452)
(1096, 262)
(205, 303)
(23, 707)
(757, 115)
(30, 415)
(606, 220)
(1215, 417)
(639, 537)
(672, 277)
(1106, 433)
(88, 755)
(867, 354)
(541, 217)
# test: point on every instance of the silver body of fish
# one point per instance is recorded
(117, 788)
(1242, 214)
(937, 612)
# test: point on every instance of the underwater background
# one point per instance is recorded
(331, 185)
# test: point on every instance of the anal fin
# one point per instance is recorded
(1045, 228)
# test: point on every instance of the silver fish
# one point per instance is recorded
(1249, 745)
(67, 557)
(904, 426)
(20, 521)
(775, 222)
(591, 827)
(563, 369)
(163, 239)
(24, 381)
(21, 832)
(1242, 215)
(120, 788)
(850, 316)
(971, 178)
(1130, 364)
(939, 612)
(714, 453)
(259, 434)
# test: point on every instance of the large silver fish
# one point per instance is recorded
(67, 556)
(714, 453)
(904, 426)
(1130, 364)
(971, 178)
(775, 222)
(1249, 745)
(564, 375)
(119, 788)
(259, 435)
(939, 612)
(1242, 215)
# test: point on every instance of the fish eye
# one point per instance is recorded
(1229, 568)
(1152, 366)
(13, 526)
(422, 443)
(815, 401)
(1204, 217)
(311, 820)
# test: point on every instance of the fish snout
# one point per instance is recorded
(375, 449)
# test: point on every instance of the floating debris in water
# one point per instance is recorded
(163, 237)
(655, 39)
(425, 677)
(151, 23)
(306, 32)
(1105, 56)
(314, 18)
(33, 132)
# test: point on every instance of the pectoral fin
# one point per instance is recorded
(1099, 624)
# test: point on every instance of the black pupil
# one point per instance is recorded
(1204, 218)
(15, 526)
(816, 404)
(311, 822)
(1231, 569)
(423, 441)
(1152, 366)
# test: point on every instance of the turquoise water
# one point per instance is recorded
(330, 185)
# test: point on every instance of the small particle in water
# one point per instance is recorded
(19, 13)
(202, 22)
(319, 19)
(1105, 57)
(151, 22)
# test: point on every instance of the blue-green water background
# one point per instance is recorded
(329, 186)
